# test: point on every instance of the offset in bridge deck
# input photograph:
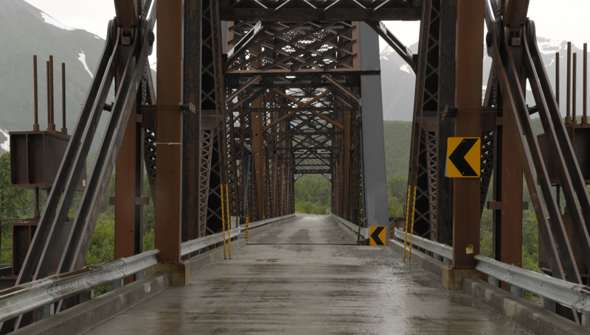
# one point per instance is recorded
(308, 277)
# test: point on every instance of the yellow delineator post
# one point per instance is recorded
(225, 222)
(413, 220)
(409, 223)
(228, 208)
(247, 234)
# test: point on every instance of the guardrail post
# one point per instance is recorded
(516, 291)
(493, 281)
(586, 320)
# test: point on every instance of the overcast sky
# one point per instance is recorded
(566, 20)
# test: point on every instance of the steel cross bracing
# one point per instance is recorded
(567, 237)
(320, 10)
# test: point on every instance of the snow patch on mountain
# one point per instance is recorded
(54, 22)
(4, 140)
(549, 46)
(82, 59)
(406, 68)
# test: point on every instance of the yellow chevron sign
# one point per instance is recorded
(463, 157)
(377, 235)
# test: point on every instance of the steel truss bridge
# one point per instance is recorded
(249, 96)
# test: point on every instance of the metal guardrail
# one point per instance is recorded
(260, 223)
(31, 296)
(203, 243)
(563, 292)
(436, 248)
(568, 294)
(353, 227)
(200, 244)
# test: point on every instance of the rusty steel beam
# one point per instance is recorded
(259, 153)
(127, 13)
(466, 193)
(168, 202)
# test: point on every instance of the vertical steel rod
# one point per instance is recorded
(568, 93)
(64, 128)
(50, 96)
(585, 86)
(574, 87)
(35, 95)
(557, 78)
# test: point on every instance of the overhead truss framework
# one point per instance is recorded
(293, 91)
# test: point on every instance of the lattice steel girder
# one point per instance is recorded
(350, 10)
(434, 94)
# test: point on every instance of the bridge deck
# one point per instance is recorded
(307, 277)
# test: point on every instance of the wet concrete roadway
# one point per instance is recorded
(307, 277)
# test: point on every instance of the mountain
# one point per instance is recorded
(24, 32)
(399, 80)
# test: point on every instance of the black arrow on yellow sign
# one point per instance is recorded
(376, 235)
(458, 157)
(463, 157)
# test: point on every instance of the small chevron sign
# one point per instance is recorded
(377, 235)
(463, 157)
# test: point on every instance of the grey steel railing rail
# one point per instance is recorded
(362, 231)
(28, 297)
(261, 223)
(572, 295)
(204, 243)
(438, 249)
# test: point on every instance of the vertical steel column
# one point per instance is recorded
(435, 93)
(191, 121)
(466, 192)
(168, 195)
(259, 152)
(375, 180)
